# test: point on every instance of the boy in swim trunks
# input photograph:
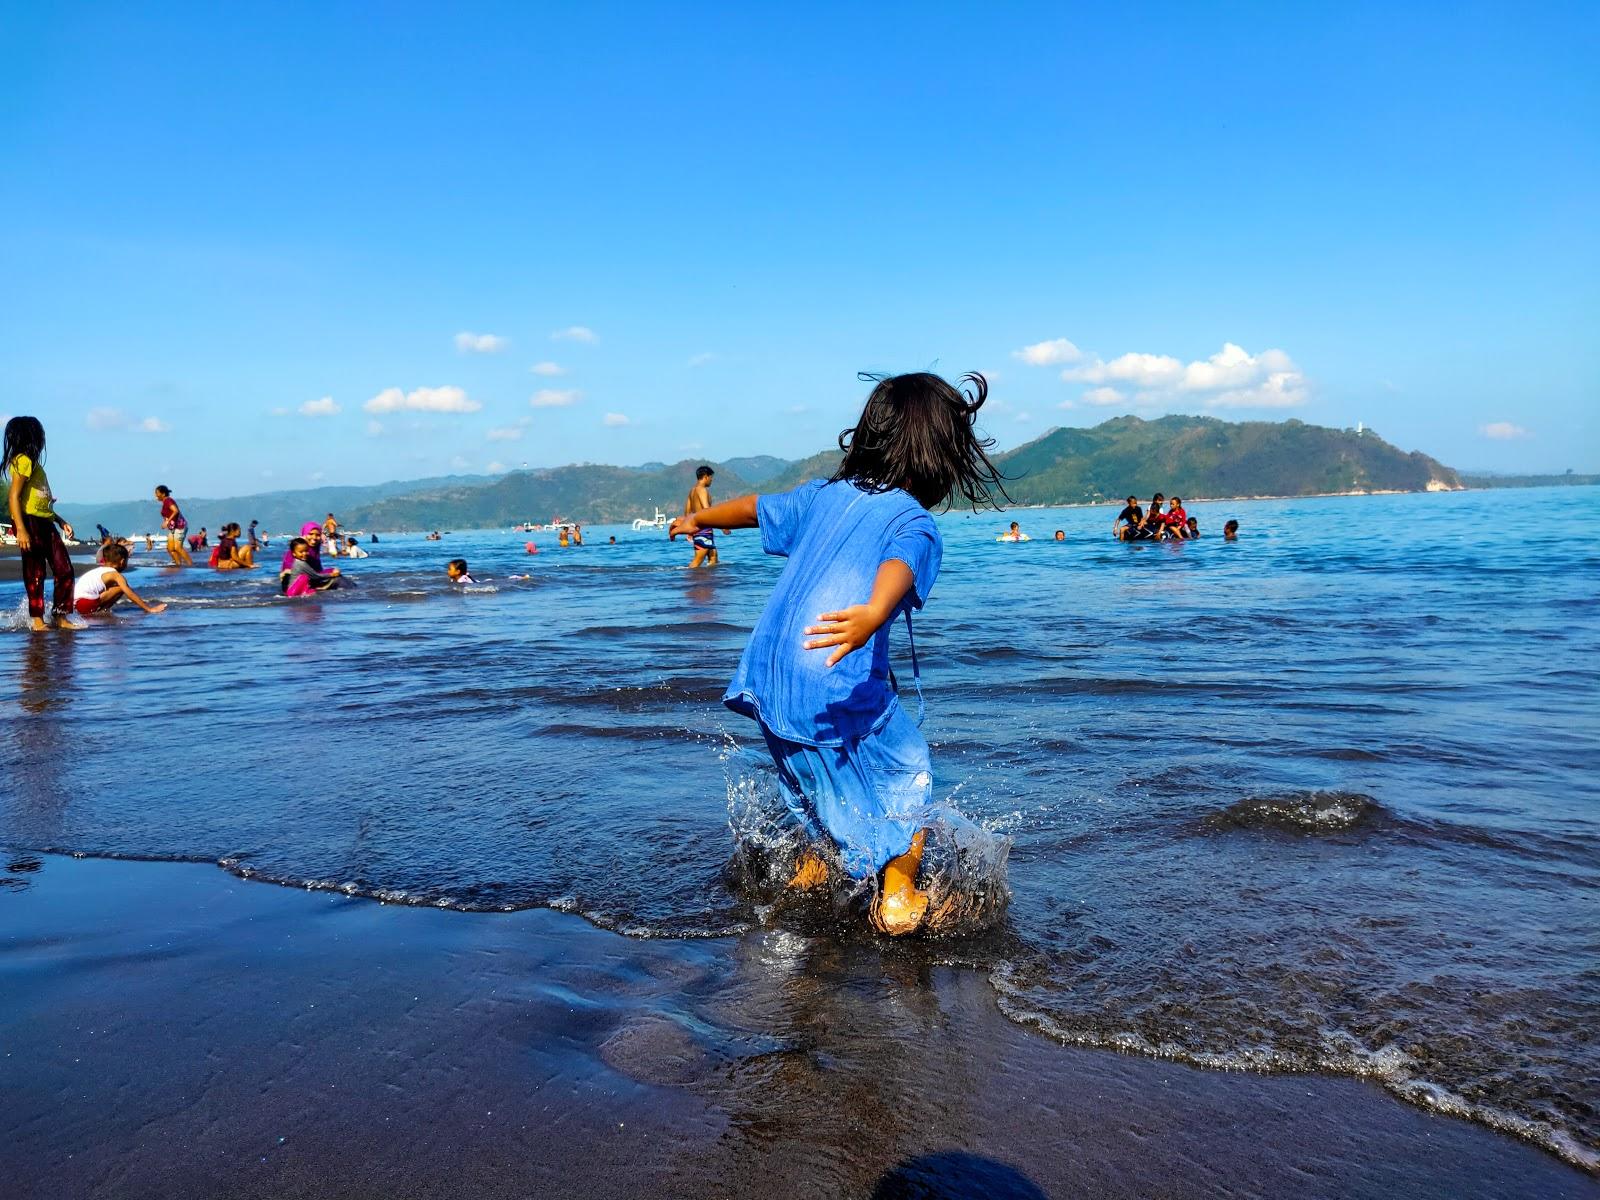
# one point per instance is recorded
(704, 540)
(101, 587)
(1126, 527)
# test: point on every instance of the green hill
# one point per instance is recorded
(1201, 457)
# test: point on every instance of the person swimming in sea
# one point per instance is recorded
(1193, 529)
(1061, 535)
(862, 549)
(456, 571)
(1014, 534)
(1230, 531)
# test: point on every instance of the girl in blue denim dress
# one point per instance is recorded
(862, 548)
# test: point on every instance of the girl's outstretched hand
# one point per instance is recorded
(848, 629)
(687, 526)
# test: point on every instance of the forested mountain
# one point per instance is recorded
(1200, 457)
(1194, 457)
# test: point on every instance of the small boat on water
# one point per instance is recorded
(659, 521)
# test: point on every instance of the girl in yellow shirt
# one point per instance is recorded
(33, 513)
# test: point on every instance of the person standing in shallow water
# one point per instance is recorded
(173, 522)
(704, 539)
(862, 549)
(33, 515)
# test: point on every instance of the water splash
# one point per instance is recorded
(963, 864)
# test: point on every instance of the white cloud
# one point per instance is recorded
(616, 419)
(374, 428)
(318, 476)
(459, 463)
(1230, 378)
(496, 468)
(1503, 431)
(554, 398)
(1066, 404)
(1103, 396)
(104, 420)
(320, 408)
(439, 399)
(1022, 418)
(1046, 354)
(1140, 370)
(548, 369)
(576, 333)
(700, 360)
(480, 343)
(280, 412)
(798, 410)
(508, 433)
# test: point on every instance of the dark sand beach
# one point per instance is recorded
(171, 1030)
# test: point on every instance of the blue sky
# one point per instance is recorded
(240, 243)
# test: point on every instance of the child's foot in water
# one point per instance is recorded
(900, 907)
(809, 872)
(37, 624)
(69, 625)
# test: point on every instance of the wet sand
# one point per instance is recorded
(171, 1030)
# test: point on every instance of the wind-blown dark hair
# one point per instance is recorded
(916, 432)
(24, 435)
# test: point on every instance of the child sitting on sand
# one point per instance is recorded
(456, 569)
(862, 549)
(102, 587)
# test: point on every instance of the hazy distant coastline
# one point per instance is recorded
(1200, 458)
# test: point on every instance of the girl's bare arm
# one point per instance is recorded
(730, 514)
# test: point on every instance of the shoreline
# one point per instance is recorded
(190, 1032)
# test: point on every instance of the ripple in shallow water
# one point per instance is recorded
(1304, 812)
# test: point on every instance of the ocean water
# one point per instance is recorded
(1321, 799)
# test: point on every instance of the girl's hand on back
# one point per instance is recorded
(849, 630)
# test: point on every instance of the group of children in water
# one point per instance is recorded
(1136, 524)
